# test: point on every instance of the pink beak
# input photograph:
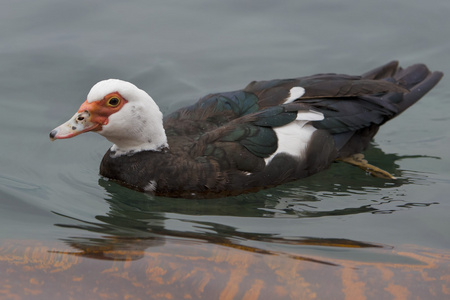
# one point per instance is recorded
(79, 123)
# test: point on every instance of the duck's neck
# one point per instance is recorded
(124, 146)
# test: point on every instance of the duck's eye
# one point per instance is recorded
(113, 102)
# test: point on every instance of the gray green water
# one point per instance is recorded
(52, 52)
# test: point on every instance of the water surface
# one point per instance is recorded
(65, 228)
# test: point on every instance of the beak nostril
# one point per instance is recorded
(83, 115)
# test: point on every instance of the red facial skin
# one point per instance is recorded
(101, 110)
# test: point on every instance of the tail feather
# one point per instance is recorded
(385, 71)
(418, 86)
(411, 76)
(417, 79)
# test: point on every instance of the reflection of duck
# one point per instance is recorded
(269, 133)
(130, 232)
(137, 222)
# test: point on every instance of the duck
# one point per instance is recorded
(266, 134)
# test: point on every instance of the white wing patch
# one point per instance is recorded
(293, 138)
(294, 93)
(309, 115)
(151, 186)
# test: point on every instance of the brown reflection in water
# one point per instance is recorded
(129, 243)
(194, 270)
(122, 248)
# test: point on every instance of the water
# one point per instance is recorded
(64, 228)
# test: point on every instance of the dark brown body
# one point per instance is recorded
(217, 146)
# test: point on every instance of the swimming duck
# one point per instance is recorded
(266, 134)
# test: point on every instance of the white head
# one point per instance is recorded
(124, 114)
